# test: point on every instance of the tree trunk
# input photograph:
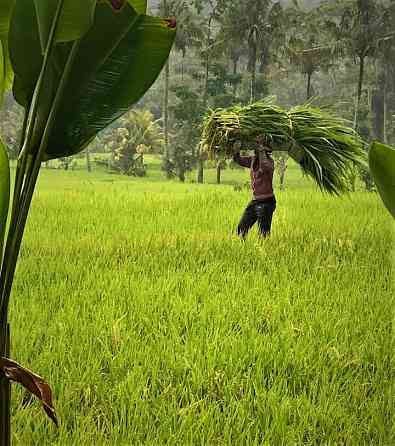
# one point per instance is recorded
(359, 91)
(385, 108)
(361, 76)
(235, 63)
(253, 76)
(88, 160)
(166, 102)
(181, 175)
(183, 65)
(207, 63)
(166, 114)
(5, 388)
(378, 113)
(200, 175)
(282, 170)
(308, 94)
(219, 168)
(253, 60)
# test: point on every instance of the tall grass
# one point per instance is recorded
(157, 326)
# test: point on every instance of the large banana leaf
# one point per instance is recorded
(75, 19)
(5, 13)
(6, 7)
(140, 6)
(2, 72)
(4, 193)
(112, 70)
(382, 167)
(26, 64)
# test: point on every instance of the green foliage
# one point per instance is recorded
(330, 147)
(188, 112)
(137, 135)
(314, 42)
(77, 69)
(73, 23)
(6, 7)
(4, 193)
(96, 93)
(382, 166)
(2, 70)
(185, 337)
(324, 146)
(241, 125)
(140, 6)
(221, 84)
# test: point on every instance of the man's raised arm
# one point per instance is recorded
(243, 161)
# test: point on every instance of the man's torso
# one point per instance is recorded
(262, 178)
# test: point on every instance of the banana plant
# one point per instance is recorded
(5, 67)
(85, 67)
(382, 167)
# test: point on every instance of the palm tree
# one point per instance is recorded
(138, 133)
(359, 25)
(260, 21)
(186, 32)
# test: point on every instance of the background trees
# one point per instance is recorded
(338, 53)
(136, 135)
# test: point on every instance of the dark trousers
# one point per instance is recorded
(260, 211)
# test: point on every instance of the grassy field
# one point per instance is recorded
(157, 326)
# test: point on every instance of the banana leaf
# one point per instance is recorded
(74, 21)
(382, 167)
(4, 193)
(118, 60)
(2, 72)
(140, 6)
(6, 7)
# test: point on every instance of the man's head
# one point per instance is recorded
(263, 144)
(268, 153)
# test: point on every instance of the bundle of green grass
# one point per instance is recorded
(325, 147)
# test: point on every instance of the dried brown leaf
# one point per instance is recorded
(30, 381)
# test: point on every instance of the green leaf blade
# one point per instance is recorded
(75, 19)
(140, 6)
(6, 8)
(107, 79)
(4, 193)
(2, 72)
(26, 64)
(108, 75)
(382, 167)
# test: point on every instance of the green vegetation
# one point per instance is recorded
(382, 165)
(134, 298)
(161, 328)
(72, 84)
(326, 148)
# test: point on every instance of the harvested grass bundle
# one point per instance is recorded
(323, 145)
(242, 125)
(328, 148)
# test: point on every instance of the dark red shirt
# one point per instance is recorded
(261, 175)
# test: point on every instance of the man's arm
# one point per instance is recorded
(243, 161)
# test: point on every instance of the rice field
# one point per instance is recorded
(157, 326)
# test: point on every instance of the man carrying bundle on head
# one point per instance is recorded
(263, 204)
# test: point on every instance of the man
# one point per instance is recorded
(263, 204)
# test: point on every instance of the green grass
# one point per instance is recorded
(156, 325)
